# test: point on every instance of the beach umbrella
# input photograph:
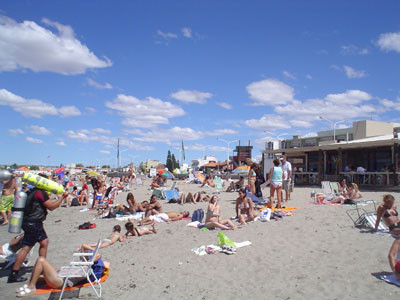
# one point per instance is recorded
(166, 173)
(241, 170)
(94, 173)
(177, 171)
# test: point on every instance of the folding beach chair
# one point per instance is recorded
(327, 190)
(10, 259)
(365, 218)
(160, 193)
(171, 194)
(335, 188)
(82, 268)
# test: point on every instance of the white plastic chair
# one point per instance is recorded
(82, 268)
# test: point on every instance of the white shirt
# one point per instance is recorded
(361, 169)
(286, 167)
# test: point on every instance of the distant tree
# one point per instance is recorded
(169, 162)
(14, 166)
(34, 168)
(79, 165)
(175, 164)
(105, 167)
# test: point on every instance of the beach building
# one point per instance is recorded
(199, 163)
(241, 154)
(366, 153)
(149, 164)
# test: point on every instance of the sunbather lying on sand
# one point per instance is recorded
(350, 196)
(387, 211)
(213, 216)
(45, 268)
(132, 208)
(208, 181)
(193, 198)
(164, 217)
(131, 230)
(114, 237)
(246, 207)
(394, 258)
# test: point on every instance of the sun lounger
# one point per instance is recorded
(160, 192)
(10, 259)
(365, 218)
(171, 194)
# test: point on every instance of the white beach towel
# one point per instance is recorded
(136, 217)
(391, 279)
(160, 218)
(202, 249)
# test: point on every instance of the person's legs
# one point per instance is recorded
(242, 219)
(181, 198)
(271, 198)
(14, 277)
(190, 198)
(279, 196)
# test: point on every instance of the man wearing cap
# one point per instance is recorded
(287, 176)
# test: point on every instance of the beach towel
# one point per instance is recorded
(203, 250)
(390, 279)
(138, 216)
(47, 289)
(280, 209)
(159, 218)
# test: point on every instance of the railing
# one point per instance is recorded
(305, 178)
(369, 178)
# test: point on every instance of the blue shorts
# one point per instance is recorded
(33, 233)
(99, 196)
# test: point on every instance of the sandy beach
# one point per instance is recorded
(315, 254)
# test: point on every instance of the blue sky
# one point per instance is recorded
(76, 75)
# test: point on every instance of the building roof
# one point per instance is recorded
(377, 141)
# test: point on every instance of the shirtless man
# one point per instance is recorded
(154, 207)
(7, 198)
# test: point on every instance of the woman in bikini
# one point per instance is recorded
(213, 216)
(275, 176)
(132, 208)
(349, 197)
(246, 207)
(252, 178)
(131, 230)
(115, 236)
(388, 213)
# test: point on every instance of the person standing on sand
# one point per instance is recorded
(35, 212)
(287, 177)
(7, 198)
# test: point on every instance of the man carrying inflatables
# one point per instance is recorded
(7, 198)
(35, 212)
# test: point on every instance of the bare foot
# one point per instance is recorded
(153, 226)
(4, 223)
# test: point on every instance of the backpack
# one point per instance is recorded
(198, 215)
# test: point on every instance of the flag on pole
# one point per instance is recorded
(183, 151)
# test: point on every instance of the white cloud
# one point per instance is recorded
(166, 36)
(301, 123)
(144, 113)
(389, 41)
(225, 105)
(39, 130)
(69, 111)
(15, 132)
(90, 109)
(389, 105)
(349, 97)
(187, 32)
(308, 76)
(34, 108)
(97, 85)
(352, 49)
(221, 132)
(217, 148)
(92, 135)
(352, 73)
(101, 130)
(28, 45)
(289, 75)
(61, 143)
(268, 122)
(270, 92)
(191, 96)
(32, 140)
(105, 152)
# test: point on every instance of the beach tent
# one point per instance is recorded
(165, 173)
(177, 171)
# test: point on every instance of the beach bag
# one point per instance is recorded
(198, 215)
(265, 215)
(75, 202)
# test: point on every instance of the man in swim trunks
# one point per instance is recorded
(7, 198)
(35, 212)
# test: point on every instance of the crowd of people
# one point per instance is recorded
(279, 179)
